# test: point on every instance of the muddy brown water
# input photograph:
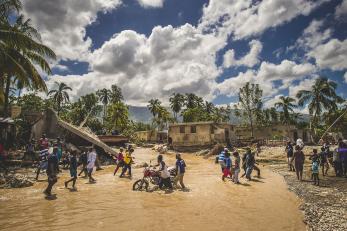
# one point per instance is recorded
(110, 204)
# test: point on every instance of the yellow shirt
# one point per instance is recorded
(127, 158)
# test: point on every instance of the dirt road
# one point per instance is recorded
(110, 204)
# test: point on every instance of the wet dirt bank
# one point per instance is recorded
(110, 204)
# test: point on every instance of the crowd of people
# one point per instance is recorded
(230, 170)
(336, 158)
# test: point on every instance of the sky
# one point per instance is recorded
(153, 48)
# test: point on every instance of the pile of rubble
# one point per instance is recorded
(15, 181)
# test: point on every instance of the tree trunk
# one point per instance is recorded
(7, 92)
(251, 122)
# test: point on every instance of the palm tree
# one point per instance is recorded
(116, 94)
(104, 97)
(60, 95)
(154, 106)
(286, 105)
(321, 97)
(118, 116)
(21, 51)
(176, 103)
(209, 107)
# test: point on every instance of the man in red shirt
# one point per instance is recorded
(44, 144)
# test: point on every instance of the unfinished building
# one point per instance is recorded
(196, 135)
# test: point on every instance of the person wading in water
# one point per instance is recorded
(52, 171)
(73, 170)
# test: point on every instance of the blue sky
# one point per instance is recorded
(152, 48)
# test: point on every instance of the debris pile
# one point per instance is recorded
(15, 181)
(162, 149)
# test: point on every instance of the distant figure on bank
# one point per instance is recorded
(52, 171)
(343, 157)
(91, 164)
(323, 157)
(314, 156)
(180, 169)
(315, 171)
(164, 174)
(43, 158)
(290, 152)
(299, 159)
(337, 163)
(227, 169)
(30, 151)
(73, 169)
(120, 161)
(128, 160)
(237, 160)
(84, 161)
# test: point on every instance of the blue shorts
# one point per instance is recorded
(43, 165)
(73, 172)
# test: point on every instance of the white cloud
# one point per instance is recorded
(313, 36)
(332, 55)
(249, 60)
(341, 10)
(244, 18)
(286, 72)
(151, 3)
(169, 60)
(62, 23)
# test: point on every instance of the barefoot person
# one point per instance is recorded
(323, 157)
(91, 164)
(73, 169)
(227, 169)
(84, 161)
(315, 171)
(290, 151)
(128, 160)
(180, 169)
(299, 159)
(164, 174)
(43, 161)
(120, 161)
(237, 161)
(52, 171)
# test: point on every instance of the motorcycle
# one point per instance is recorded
(150, 175)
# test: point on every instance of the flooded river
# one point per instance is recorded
(110, 204)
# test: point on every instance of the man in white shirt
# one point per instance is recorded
(91, 164)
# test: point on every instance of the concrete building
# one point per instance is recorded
(152, 136)
(275, 132)
(188, 136)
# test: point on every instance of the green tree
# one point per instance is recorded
(322, 97)
(60, 95)
(116, 94)
(193, 101)
(154, 106)
(250, 101)
(104, 97)
(117, 116)
(176, 103)
(21, 51)
(286, 105)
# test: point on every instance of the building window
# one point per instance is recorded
(212, 129)
(182, 129)
(193, 129)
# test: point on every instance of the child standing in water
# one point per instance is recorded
(120, 161)
(315, 171)
(227, 169)
(236, 168)
(128, 160)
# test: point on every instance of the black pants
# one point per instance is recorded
(125, 168)
(51, 181)
(338, 168)
(165, 182)
(84, 169)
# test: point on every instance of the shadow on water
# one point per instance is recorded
(51, 197)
